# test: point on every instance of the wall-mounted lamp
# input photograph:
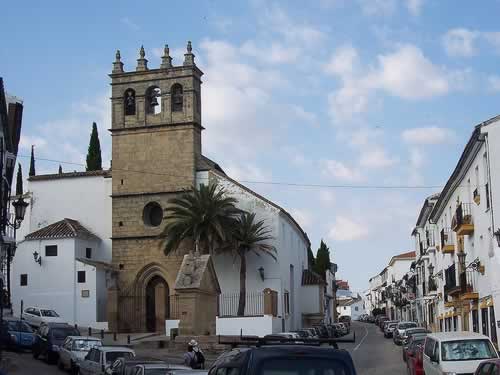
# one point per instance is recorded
(497, 236)
(261, 272)
(37, 258)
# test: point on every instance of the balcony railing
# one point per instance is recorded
(450, 276)
(254, 304)
(462, 222)
(446, 236)
(468, 284)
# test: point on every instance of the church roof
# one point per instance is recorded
(205, 164)
(66, 228)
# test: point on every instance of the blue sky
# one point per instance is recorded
(326, 92)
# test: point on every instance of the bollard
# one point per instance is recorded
(114, 336)
(102, 334)
(128, 339)
(90, 331)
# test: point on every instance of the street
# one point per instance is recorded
(372, 354)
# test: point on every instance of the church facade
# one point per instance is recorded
(156, 154)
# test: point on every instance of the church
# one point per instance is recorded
(90, 247)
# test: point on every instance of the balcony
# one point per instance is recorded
(468, 285)
(447, 245)
(451, 288)
(462, 222)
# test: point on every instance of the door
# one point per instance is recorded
(157, 304)
(493, 327)
(484, 321)
(430, 365)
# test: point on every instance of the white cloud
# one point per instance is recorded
(301, 114)
(276, 53)
(364, 136)
(327, 197)
(246, 172)
(378, 7)
(414, 6)
(340, 171)
(347, 229)
(460, 42)
(427, 135)
(376, 158)
(405, 73)
(130, 24)
(494, 82)
(27, 141)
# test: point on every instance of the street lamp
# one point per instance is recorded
(431, 269)
(19, 210)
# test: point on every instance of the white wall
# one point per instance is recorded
(257, 326)
(86, 199)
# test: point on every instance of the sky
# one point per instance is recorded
(347, 113)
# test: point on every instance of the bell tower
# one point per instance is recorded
(156, 143)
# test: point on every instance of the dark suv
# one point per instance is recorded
(284, 359)
(49, 338)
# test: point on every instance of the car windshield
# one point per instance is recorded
(302, 366)
(85, 345)
(467, 350)
(406, 325)
(62, 333)
(392, 325)
(49, 313)
(113, 356)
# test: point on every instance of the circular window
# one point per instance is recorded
(152, 214)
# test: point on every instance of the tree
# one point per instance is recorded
(249, 236)
(32, 161)
(311, 262)
(322, 262)
(205, 215)
(94, 160)
(19, 181)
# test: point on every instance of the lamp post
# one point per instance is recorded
(497, 236)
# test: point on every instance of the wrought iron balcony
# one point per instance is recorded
(468, 285)
(450, 276)
(447, 245)
(462, 222)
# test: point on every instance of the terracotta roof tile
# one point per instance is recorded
(56, 176)
(66, 228)
(311, 278)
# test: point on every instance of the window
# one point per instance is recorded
(88, 253)
(487, 195)
(81, 276)
(152, 214)
(484, 321)
(467, 350)
(129, 102)
(475, 321)
(429, 347)
(356, 308)
(24, 279)
(455, 323)
(493, 327)
(177, 98)
(51, 251)
(153, 105)
(345, 308)
(485, 369)
(287, 302)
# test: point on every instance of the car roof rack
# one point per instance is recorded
(249, 340)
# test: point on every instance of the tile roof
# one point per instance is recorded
(311, 278)
(409, 254)
(57, 176)
(66, 228)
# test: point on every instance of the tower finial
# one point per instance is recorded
(117, 65)
(166, 60)
(142, 63)
(189, 56)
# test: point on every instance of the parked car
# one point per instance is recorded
(489, 367)
(276, 359)
(381, 323)
(99, 359)
(414, 331)
(35, 316)
(126, 366)
(73, 351)
(16, 334)
(389, 329)
(399, 334)
(456, 352)
(163, 369)
(345, 319)
(49, 338)
(412, 341)
(414, 362)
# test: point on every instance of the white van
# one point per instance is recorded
(456, 352)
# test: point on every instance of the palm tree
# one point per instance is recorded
(205, 215)
(249, 235)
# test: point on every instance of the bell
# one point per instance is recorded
(154, 101)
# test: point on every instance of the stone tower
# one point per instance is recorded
(156, 143)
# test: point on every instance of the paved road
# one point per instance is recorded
(372, 354)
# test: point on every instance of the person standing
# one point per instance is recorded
(194, 357)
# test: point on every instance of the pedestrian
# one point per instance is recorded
(194, 357)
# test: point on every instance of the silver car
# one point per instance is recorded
(73, 351)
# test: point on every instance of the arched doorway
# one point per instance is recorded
(157, 304)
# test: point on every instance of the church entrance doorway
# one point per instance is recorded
(157, 304)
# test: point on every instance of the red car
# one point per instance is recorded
(489, 367)
(414, 358)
